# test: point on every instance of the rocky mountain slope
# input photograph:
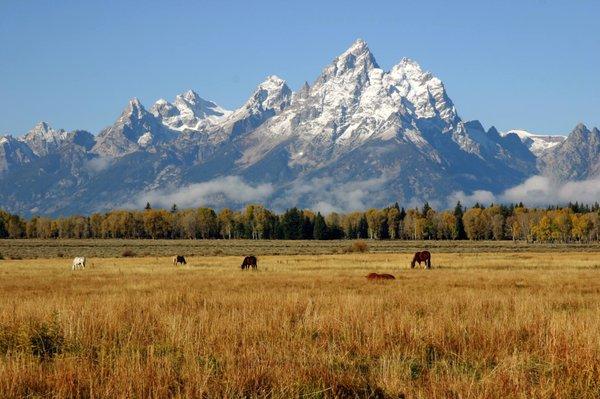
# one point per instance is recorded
(538, 144)
(358, 136)
(576, 158)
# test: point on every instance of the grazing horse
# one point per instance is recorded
(423, 256)
(177, 259)
(377, 276)
(249, 262)
(78, 263)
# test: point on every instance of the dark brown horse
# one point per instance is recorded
(377, 276)
(179, 259)
(249, 262)
(419, 257)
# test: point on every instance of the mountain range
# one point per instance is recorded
(358, 136)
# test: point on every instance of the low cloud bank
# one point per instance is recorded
(217, 192)
(325, 195)
(536, 191)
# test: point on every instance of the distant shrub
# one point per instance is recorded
(60, 255)
(217, 252)
(128, 253)
(357, 246)
(16, 257)
(1, 256)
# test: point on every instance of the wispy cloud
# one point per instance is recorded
(536, 191)
(326, 195)
(481, 196)
(540, 190)
(217, 192)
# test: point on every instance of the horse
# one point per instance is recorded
(78, 263)
(177, 259)
(423, 256)
(249, 261)
(377, 276)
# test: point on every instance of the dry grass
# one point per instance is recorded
(479, 325)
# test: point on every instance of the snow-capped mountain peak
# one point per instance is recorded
(538, 144)
(191, 105)
(356, 60)
(189, 111)
(164, 109)
(269, 98)
(42, 139)
(133, 110)
(423, 90)
(273, 93)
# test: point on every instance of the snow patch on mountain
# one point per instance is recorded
(537, 143)
(145, 139)
(189, 111)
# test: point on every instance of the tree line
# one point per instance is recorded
(572, 223)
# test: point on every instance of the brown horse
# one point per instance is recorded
(377, 276)
(249, 262)
(179, 259)
(419, 257)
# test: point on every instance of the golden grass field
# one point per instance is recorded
(479, 325)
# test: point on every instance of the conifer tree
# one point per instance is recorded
(320, 228)
(460, 227)
(363, 227)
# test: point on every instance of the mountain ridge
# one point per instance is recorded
(382, 135)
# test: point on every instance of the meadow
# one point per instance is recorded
(486, 322)
(107, 248)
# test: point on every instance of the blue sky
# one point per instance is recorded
(530, 64)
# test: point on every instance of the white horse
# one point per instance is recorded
(78, 263)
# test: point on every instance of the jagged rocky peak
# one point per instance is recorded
(356, 60)
(133, 110)
(164, 109)
(191, 104)
(122, 137)
(14, 152)
(576, 158)
(538, 144)
(580, 132)
(272, 94)
(189, 111)
(422, 89)
(270, 98)
(358, 56)
(42, 139)
(583, 139)
(43, 130)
